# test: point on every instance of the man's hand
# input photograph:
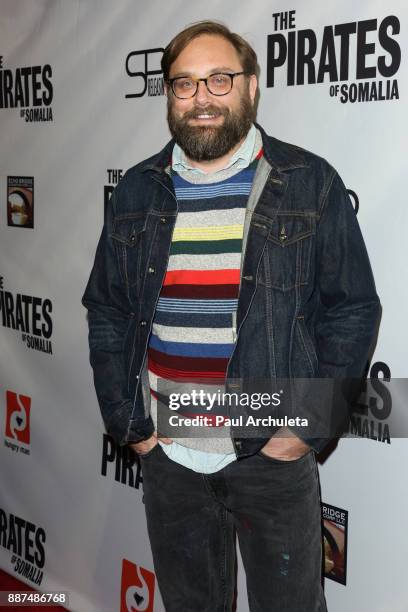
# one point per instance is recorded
(141, 448)
(285, 445)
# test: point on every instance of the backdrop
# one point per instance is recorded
(81, 100)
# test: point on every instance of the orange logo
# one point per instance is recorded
(18, 417)
(137, 589)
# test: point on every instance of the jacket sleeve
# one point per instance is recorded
(349, 305)
(111, 330)
(349, 308)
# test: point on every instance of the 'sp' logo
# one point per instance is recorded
(18, 417)
(137, 589)
(143, 64)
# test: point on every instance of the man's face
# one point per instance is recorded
(206, 126)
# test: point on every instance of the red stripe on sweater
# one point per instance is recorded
(195, 364)
(197, 292)
(202, 277)
(198, 378)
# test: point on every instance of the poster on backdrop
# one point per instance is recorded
(82, 99)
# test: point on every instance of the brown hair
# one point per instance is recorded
(245, 52)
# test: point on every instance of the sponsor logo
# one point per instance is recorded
(28, 88)
(335, 532)
(137, 588)
(29, 315)
(143, 67)
(26, 543)
(17, 422)
(371, 415)
(121, 463)
(359, 59)
(20, 201)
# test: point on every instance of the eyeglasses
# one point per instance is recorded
(218, 84)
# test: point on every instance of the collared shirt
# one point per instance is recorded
(240, 159)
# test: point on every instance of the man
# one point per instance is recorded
(228, 256)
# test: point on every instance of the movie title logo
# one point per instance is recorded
(137, 588)
(17, 430)
(335, 535)
(143, 67)
(370, 414)
(26, 543)
(120, 463)
(28, 314)
(28, 88)
(20, 201)
(114, 176)
(365, 53)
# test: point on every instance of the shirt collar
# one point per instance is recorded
(241, 158)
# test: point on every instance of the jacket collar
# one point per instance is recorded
(280, 155)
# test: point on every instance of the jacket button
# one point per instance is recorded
(143, 323)
(238, 444)
(151, 270)
(163, 219)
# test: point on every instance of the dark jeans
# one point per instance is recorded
(192, 518)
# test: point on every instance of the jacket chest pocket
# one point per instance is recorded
(127, 235)
(287, 256)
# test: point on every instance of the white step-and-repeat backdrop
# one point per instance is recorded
(81, 100)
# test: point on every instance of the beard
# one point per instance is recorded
(202, 143)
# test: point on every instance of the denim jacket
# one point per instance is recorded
(307, 304)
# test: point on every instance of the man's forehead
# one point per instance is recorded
(205, 53)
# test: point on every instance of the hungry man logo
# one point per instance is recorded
(18, 417)
(137, 589)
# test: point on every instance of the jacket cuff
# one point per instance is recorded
(125, 430)
(139, 430)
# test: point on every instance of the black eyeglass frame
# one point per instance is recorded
(232, 75)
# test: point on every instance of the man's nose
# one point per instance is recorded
(203, 95)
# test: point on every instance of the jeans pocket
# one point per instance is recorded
(283, 461)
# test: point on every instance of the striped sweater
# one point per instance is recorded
(193, 329)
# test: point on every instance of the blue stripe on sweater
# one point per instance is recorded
(225, 190)
(187, 349)
(196, 306)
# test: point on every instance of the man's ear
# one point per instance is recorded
(253, 86)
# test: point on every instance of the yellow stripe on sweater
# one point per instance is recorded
(212, 232)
